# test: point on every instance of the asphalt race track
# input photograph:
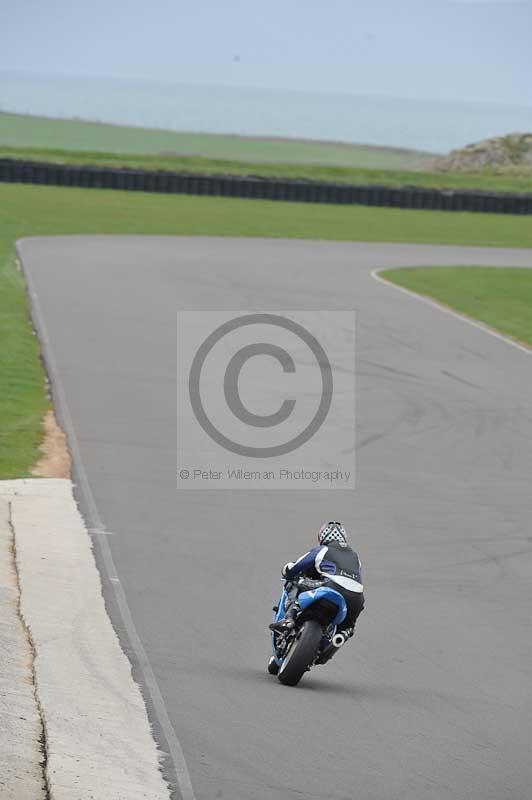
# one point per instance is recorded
(433, 698)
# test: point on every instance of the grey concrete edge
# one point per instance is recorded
(21, 756)
(173, 766)
(97, 737)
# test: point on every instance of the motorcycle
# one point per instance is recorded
(314, 637)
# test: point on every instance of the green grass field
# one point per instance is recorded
(314, 172)
(20, 130)
(502, 298)
(42, 211)
(76, 142)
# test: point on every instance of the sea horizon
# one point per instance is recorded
(395, 123)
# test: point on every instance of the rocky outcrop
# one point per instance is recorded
(502, 152)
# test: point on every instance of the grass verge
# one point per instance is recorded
(501, 298)
(487, 181)
(21, 130)
(43, 211)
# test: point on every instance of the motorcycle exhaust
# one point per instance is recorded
(338, 640)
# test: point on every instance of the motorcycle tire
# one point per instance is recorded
(301, 654)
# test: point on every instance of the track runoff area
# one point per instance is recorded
(432, 696)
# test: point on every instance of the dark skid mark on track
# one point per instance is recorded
(387, 368)
(461, 380)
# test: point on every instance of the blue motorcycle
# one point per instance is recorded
(314, 637)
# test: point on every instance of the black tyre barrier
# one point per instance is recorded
(301, 191)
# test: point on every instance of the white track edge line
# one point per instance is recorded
(176, 751)
(375, 273)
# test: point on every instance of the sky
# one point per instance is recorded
(472, 50)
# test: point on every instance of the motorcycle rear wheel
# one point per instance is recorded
(301, 654)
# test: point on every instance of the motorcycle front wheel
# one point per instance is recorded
(301, 654)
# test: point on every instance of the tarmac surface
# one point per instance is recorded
(432, 699)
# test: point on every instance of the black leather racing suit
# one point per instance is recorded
(340, 566)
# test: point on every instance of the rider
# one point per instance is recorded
(334, 561)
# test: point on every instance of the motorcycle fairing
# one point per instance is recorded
(306, 599)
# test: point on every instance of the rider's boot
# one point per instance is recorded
(288, 621)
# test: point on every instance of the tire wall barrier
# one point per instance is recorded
(301, 191)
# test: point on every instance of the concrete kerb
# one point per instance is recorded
(21, 759)
(97, 739)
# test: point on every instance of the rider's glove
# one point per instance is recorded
(287, 568)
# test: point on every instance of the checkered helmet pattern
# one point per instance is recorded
(332, 532)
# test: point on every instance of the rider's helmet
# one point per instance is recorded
(332, 532)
